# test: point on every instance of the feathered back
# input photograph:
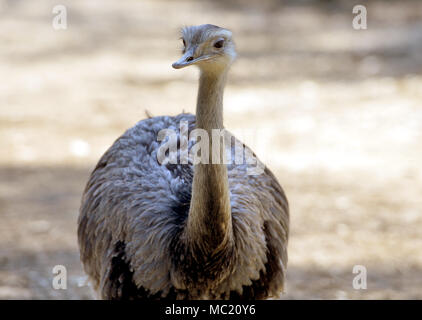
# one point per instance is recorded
(134, 210)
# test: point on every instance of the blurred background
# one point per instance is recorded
(337, 112)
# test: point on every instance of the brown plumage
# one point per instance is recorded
(184, 231)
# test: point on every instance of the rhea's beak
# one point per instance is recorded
(188, 59)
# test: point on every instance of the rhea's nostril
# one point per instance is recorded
(189, 59)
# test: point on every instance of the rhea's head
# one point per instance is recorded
(209, 47)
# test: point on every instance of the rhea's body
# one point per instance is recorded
(183, 231)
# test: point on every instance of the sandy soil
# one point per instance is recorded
(336, 113)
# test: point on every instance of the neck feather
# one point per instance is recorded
(209, 222)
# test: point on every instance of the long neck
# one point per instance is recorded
(209, 222)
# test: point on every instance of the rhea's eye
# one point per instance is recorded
(184, 42)
(219, 44)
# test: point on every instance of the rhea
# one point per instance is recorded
(152, 230)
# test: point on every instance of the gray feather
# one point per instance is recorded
(130, 198)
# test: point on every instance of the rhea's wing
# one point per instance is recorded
(131, 208)
(260, 214)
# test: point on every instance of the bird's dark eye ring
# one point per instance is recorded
(219, 44)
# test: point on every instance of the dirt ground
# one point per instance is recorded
(335, 112)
